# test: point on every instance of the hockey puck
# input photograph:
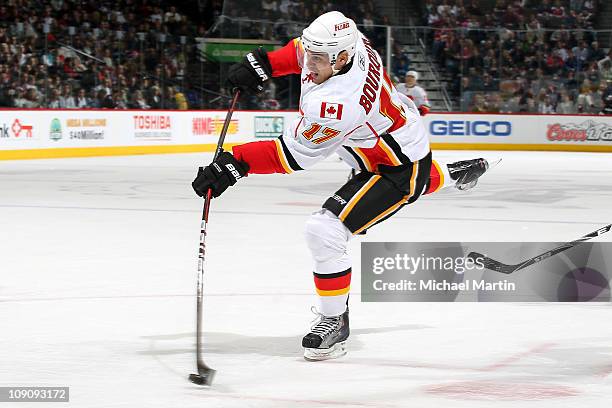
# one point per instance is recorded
(202, 379)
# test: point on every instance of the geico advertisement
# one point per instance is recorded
(471, 128)
(520, 129)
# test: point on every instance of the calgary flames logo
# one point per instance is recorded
(341, 26)
(308, 78)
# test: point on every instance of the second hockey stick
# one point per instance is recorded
(205, 374)
(497, 266)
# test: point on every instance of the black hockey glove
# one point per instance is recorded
(219, 175)
(250, 74)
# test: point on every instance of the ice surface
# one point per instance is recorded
(98, 277)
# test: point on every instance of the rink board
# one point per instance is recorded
(36, 134)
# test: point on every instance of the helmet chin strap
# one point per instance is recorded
(333, 66)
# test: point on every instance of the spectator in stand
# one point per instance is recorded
(566, 106)
(596, 53)
(571, 83)
(415, 92)
(181, 100)
(546, 106)
(479, 104)
(592, 73)
(106, 85)
(605, 67)
(607, 109)
(599, 96)
(368, 25)
(18, 98)
(584, 102)
(138, 101)
(571, 62)
(169, 98)
(155, 97)
(488, 83)
(7, 97)
(32, 99)
(82, 101)
(98, 101)
(66, 99)
(54, 102)
(119, 99)
(401, 64)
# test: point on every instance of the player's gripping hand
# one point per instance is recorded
(219, 175)
(250, 73)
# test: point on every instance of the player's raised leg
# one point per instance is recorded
(463, 174)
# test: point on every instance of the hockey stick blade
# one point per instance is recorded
(497, 266)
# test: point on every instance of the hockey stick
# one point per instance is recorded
(205, 374)
(497, 266)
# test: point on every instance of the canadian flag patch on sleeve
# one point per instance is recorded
(331, 110)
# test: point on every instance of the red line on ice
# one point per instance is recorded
(516, 357)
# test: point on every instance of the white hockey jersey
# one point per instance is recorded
(350, 112)
(416, 93)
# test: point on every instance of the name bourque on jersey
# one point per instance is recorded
(348, 113)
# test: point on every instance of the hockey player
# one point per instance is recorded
(347, 106)
(415, 92)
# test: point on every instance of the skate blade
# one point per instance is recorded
(316, 354)
(493, 164)
(464, 187)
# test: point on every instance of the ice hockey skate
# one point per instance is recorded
(467, 172)
(327, 338)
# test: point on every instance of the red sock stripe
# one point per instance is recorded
(332, 283)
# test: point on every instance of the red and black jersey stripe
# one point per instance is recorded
(266, 156)
(386, 152)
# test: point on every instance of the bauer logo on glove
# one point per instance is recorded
(225, 171)
(250, 73)
(255, 65)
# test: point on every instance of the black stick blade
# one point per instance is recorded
(203, 378)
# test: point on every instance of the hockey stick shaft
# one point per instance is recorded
(500, 267)
(203, 370)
